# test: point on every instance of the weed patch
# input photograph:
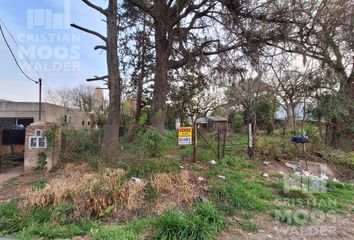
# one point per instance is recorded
(249, 226)
(203, 224)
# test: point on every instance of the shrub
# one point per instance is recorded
(150, 142)
(42, 161)
(78, 144)
(237, 122)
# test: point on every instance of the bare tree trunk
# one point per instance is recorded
(293, 117)
(139, 94)
(289, 117)
(111, 128)
(158, 111)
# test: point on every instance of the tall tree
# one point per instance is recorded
(177, 31)
(323, 30)
(111, 128)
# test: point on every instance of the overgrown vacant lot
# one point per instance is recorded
(155, 191)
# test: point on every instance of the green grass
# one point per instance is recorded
(47, 222)
(203, 224)
(39, 184)
(148, 166)
(236, 192)
(249, 226)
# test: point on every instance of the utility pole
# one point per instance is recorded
(40, 100)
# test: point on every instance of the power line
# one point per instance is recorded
(19, 48)
(13, 55)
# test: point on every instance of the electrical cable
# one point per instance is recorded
(13, 55)
(19, 48)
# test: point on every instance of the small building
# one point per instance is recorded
(15, 116)
(212, 123)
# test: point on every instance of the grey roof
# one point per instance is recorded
(212, 118)
(202, 120)
(4, 100)
(217, 119)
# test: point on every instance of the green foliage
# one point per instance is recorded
(204, 223)
(42, 161)
(78, 144)
(8, 217)
(170, 225)
(150, 142)
(93, 161)
(147, 166)
(50, 136)
(38, 185)
(205, 155)
(47, 222)
(143, 119)
(236, 193)
(237, 122)
(338, 197)
(186, 152)
(249, 226)
(211, 214)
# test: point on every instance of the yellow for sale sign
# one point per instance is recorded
(184, 135)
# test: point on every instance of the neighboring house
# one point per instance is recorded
(21, 114)
(212, 123)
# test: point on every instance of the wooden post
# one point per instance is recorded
(194, 138)
(305, 153)
(218, 143)
(224, 143)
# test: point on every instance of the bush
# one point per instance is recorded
(237, 122)
(78, 144)
(150, 142)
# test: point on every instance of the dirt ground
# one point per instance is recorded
(7, 174)
(12, 189)
(340, 227)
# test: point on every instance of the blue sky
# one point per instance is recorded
(51, 47)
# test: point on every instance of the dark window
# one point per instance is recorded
(13, 136)
(83, 123)
(88, 123)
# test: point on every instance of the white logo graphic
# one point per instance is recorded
(49, 20)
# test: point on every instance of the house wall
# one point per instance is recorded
(214, 125)
(50, 113)
(10, 111)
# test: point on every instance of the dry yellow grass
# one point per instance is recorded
(74, 187)
(106, 192)
(174, 189)
(132, 194)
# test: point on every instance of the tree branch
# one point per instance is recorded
(90, 4)
(89, 31)
(103, 47)
(96, 78)
(143, 5)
